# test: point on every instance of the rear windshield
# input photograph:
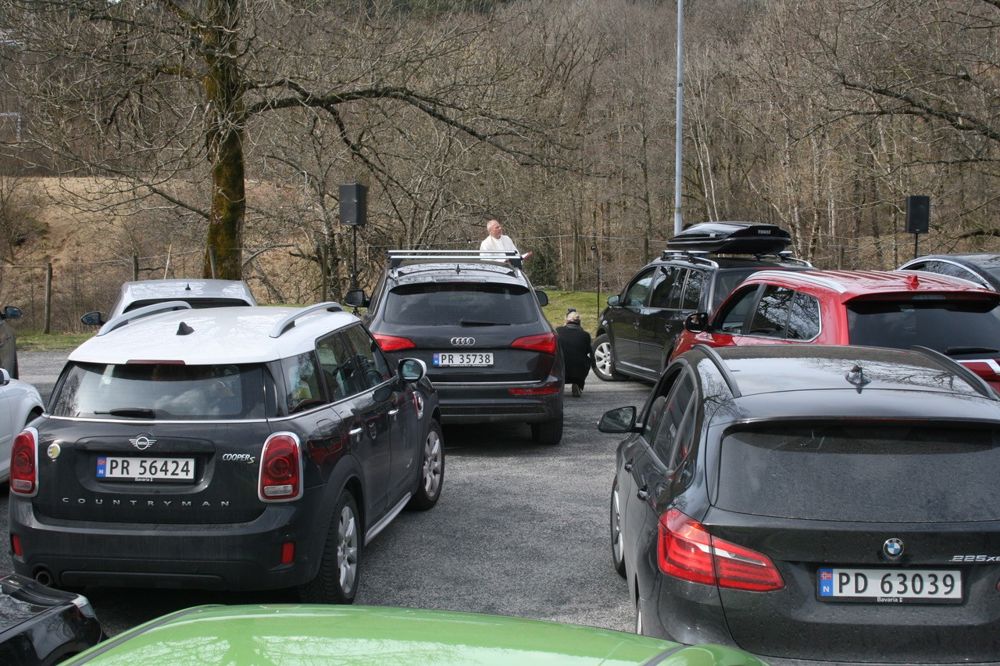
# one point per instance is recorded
(161, 391)
(196, 303)
(862, 473)
(948, 326)
(450, 303)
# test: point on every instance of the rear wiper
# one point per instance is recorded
(970, 350)
(473, 322)
(131, 412)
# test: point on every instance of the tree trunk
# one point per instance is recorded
(224, 138)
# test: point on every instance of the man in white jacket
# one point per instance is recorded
(497, 242)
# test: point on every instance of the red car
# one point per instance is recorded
(873, 308)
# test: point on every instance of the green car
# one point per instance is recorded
(292, 634)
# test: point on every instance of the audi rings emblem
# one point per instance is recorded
(463, 342)
(893, 549)
(142, 442)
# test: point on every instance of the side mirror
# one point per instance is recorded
(94, 318)
(543, 298)
(411, 369)
(619, 421)
(4, 377)
(10, 312)
(614, 301)
(696, 322)
(356, 298)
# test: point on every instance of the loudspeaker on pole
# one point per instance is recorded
(353, 204)
(918, 214)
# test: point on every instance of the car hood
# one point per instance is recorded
(291, 634)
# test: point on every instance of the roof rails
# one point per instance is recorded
(139, 313)
(951, 364)
(691, 255)
(727, 374)
(817, 280)
(397, 257)
(282, 325)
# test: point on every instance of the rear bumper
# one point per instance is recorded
(239, 556)
(496, 402)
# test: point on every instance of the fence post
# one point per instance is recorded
(48, 298)
(135, 267)
(211, 260)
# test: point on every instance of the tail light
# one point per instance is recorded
(280, 477)
(687, 551)
(24, 463)
(546, 342)
(390, 343)
(551, 388)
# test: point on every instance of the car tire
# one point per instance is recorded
(431, 477)
(548, 432)
(602, 354)
(617, 540)
(340, 566)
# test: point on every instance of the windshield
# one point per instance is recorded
(161, 391)
(953, 327)
(467, 304)
(897, 473)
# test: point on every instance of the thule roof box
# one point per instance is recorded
(731, 238)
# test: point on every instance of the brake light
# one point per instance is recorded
(546, 342)
(24, 463)
(390, 343)
(280, 477)
(687, 551)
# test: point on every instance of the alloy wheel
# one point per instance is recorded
(432, 463)
(347, 549)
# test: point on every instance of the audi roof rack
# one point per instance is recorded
(695, 257)
(397, 257)
(288, 322)
(139, 313)
(732, 238)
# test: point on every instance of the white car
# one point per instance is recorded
(196, 293)
(20, 403)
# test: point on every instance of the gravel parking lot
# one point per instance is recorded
(519, 530)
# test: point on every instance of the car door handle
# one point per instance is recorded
(628, 465)
(642, 494)
(355, 432)
(393, 412)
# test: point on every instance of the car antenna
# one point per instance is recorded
(856, 376)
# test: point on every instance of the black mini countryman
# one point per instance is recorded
(231, 448)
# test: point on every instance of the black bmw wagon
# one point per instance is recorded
(813, 503)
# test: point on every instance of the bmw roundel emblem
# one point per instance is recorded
(893, 548)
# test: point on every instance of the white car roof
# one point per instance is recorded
(159, 290)
(219, 336)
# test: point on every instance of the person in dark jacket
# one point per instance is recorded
(575, 344)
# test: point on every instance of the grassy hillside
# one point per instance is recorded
(585, 303)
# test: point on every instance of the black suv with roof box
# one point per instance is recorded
(478, 325)
(701, 265)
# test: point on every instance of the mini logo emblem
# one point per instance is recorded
(463, 342)
(142, 442)
(893, 548)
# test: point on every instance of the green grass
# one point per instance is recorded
(37, 341)
(585, 303)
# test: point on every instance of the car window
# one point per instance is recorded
(770, 317)
(948, 268)
(637, 294)
(161, 391)
(663, 291)
(692, 290)
(371, 365)
(670, 433)
(726, 281)
(302, 384)
(339, 371)
(732, 319)
(451, 303)
(945, 324)
(842, 472)
(803, 317)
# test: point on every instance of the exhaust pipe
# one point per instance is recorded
(43, 576)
